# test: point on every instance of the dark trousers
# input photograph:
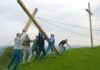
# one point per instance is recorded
(41, 49)
(36, 50)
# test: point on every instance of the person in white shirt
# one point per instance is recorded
(16, 54)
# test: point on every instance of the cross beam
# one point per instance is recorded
(29, 21)
(89, 11)
(31, 17)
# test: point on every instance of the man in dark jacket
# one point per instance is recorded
(61, 45)
(41, 43)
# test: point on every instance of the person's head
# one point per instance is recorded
(40, 34)
(66, 40)
(36, 37)
(52, 35)
(18, 35)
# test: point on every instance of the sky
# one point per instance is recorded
(13, 20)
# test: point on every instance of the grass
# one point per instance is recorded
(73, 59)
(5, 57)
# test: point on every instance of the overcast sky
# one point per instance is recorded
(13, 19)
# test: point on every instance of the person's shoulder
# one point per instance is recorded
(15, 38)
(25, 33)
(62, 41)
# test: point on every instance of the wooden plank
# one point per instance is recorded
(29, 21)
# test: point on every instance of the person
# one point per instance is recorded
(35, 47)
(27, 49)
(51, 45)
(61, 45)
(41, 42)
(16, 54)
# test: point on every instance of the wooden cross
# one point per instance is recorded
(34, 21)
(91, 32)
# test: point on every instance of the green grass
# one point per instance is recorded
(73, 59)
(5, 57)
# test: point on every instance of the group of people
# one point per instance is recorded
(22, 43)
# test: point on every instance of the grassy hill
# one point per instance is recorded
(73, 59)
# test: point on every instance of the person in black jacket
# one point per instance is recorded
(61, 45)
(41, 42)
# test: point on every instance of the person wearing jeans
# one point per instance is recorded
(62, 48)
(15, 57)
(16, 54)
(51, 45)
(61, 45)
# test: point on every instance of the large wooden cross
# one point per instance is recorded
(32, 19)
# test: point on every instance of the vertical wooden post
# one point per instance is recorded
(91, 33)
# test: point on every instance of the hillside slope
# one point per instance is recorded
(73, 59)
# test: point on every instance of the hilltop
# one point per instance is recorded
(72, 59)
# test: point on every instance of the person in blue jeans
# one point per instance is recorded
(16, 54)
(61, 45)
(51, 45)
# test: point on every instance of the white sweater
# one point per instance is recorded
(18, 41)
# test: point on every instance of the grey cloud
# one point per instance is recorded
(12, 17)
(96, 11)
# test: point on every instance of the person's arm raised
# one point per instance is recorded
(23, 36)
